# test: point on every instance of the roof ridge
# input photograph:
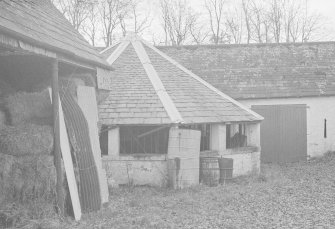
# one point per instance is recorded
(117, 52)
(156, 82)
(211, 87)
(246, 44)
(109, 47)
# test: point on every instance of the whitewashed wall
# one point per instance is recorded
(140, 170)
(319, 108)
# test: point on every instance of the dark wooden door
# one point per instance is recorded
(283, 132)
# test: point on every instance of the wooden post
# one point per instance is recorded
(57, 152)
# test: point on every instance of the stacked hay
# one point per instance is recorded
(29, 107)
(26, 163)
(27, 178)
(26, 140)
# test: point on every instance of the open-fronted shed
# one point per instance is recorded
(149, 92)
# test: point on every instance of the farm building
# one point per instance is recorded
(40, 49)
(291, 85)
(153, 110)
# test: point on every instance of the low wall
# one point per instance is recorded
(245, 163)
(153, 169)
(246, 159)
(136, 170)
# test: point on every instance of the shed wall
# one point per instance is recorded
(318, 109)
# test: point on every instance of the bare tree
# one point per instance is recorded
(246, 11)
(137, 18)
(90, 27)
(76, 11)
(234, 25)
(177, 19)
(215, 13)
(110, 12)
(199, 32)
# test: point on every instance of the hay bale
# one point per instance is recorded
(26, 139)
(3, 119)
(27, 107)
(27, 178)
(5, 88)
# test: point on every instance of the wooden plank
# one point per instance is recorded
(57, 153)
(67, 159)
(88, 104)
(114, 142)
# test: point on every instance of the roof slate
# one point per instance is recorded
(132, 99)
(262, 70)
(39, 22)
(133, 90)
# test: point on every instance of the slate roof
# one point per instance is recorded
(148, 87)
(262, 70)
(39, 23)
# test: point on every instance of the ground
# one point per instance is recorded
(296, 195)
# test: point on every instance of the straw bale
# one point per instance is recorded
(27, 178)
(3, 119)
(26, 139)
(5, 88)
(25, 107)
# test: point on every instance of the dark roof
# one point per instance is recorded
(148, 87)
(262, 70)
(39, 23)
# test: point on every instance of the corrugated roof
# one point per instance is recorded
(148, 87)
(39, 22)
(262, 70)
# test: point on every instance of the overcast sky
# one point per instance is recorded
(326, 8)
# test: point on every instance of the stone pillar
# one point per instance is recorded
(218, 137)
(114, 143)
(253, 133)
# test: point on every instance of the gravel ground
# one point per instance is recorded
(297, 195)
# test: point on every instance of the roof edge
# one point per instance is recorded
(16, 35)
(245, 45)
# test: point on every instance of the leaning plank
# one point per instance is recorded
(67, 158)
(88, 104)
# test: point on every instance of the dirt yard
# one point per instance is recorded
(298, 195)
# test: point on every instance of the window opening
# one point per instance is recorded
(325, 129)
(235, 135)
(144, 139)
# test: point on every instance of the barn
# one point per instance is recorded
(40, 49)
(291, 85)
(154, 109)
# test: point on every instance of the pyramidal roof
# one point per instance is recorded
(148, 87)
